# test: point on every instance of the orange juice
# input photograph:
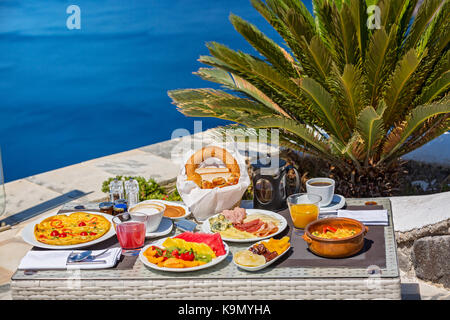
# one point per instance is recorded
(302, 214)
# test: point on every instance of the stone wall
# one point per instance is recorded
(425, 252)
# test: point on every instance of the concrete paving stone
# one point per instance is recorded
(5, 275)
(414, 212)
(411, 286)
(84, 176)
(5, 292)
(12, 253)
(140, 164)
(13, 248)
(23, 194)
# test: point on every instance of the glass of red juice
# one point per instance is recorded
(130, 231)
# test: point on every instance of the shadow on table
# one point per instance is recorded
(43, 207)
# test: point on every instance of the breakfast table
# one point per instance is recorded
(371, 274)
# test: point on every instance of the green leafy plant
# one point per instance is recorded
(148, 189)
(358, 98)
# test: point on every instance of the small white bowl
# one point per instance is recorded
(153, 210)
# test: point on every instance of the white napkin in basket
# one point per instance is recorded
(57, 259)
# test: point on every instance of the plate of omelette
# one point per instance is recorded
(69, 230)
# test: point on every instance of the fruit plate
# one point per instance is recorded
(282, 225)
(203, 266)
(265, 265)
(28, 233)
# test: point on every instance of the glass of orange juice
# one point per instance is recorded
(304, 208)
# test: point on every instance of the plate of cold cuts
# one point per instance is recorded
(245, 225)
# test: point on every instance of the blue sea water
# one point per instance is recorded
(71, 95)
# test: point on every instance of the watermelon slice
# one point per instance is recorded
(214, 241)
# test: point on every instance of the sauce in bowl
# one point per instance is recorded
(173, 211)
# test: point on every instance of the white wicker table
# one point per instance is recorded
(223, 281)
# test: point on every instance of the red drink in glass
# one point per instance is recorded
(131, 235)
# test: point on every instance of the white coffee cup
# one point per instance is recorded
(323, 187)
(153, 210)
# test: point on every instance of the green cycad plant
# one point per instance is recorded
(357, 97)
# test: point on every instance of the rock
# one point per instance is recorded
(431, 259)
(404, 259)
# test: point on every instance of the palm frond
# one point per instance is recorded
(370, 126)
(348, 149)
(438, 87)
(399, 135)
(306, 133)
(431, 129)
(425, 14)
(380, 59)
(402, 84)
(236, 83)
(322, 105)
(338, 32)
(359, 15)
(349, 92)
(275, 55)
(434, 30)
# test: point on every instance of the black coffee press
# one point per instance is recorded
(272, 184)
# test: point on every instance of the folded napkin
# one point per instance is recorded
(368, 217)
(57, 259)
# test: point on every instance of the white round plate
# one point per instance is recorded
(261, 266)
(337, 203)
(172, 203)
(283, 224)
(164, 228)
(28, 233)
(203, 266)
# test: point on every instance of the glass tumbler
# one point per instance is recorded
(304, 208)
(130, 232)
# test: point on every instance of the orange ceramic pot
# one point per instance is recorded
(335, 248)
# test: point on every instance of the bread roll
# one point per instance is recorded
(208, 152)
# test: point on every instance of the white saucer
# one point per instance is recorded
(337, 203)
(164, 228)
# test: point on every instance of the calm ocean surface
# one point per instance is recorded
(71, 95)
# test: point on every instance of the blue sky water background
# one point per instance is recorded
(71, 95)
(68, 96)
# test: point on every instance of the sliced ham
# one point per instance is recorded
(237, 215)
(250, 226)
(266, 229)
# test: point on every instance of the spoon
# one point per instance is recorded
(80, 256)
(84, 255)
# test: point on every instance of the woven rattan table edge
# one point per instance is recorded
(386, 288)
